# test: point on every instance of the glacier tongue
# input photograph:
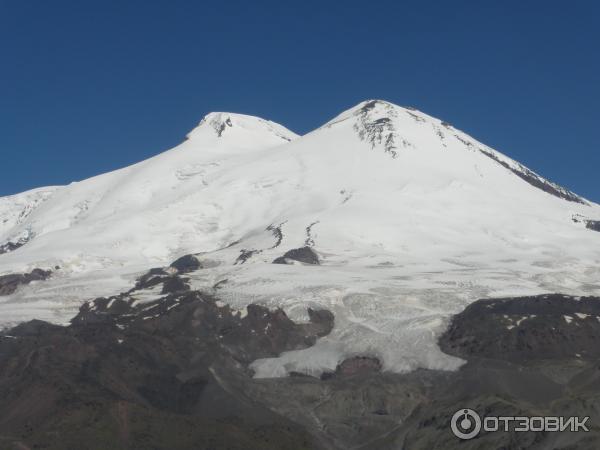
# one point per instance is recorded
(410, 219)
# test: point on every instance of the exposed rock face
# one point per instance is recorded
(355, 366)
(259, 333)
(187, 263)
(526, 329)
(169, 278)
(377, 130)
(174, 285)
(151, 278)
(125, 376)
(593, 225)
(304, 255)
(358, 365)
(245, 255)
(9, 283)
(11, 246)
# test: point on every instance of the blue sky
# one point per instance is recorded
(91, 86)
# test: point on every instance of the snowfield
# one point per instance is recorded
(411, 219)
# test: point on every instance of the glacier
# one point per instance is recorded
(411, 219)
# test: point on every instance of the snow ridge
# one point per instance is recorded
(223, 123)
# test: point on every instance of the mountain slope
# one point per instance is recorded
(408, 218)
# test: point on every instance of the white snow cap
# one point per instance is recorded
(225, 125)
(378, 109)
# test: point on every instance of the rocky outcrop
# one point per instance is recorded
(525, 329)
(11, 246)
(9, 283)
(170, 278)
(376, 130)
(593, 225)
(305, 255)
(187, 263)
(151, 278)
(155, 375)
(355, 366)
(358, 365)
(245, 255)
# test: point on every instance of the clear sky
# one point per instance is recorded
(90, 86)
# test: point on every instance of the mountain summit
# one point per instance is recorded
(388, 217)
(240, 126)
(392, 128)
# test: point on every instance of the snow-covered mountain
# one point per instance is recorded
(408, 218)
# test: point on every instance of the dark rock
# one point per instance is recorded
(10, 246)
(103, 310)
(260, 333)
(173, 285)
(171, 282)
(295, 374)
(187, 263)
(33, 328)
(526, 329)
(321, 317)
(327, 376)
(593, 225)
(245, 255)
(368, 106)
(163, 375)
(380, 131)
(358, 365)
(151, 278)
(220, 128)
(270, 332)
(9, 283)
(304, 255)
(277, 234)
(118, 306)
(310, 241)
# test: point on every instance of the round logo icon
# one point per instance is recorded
(465, 424)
